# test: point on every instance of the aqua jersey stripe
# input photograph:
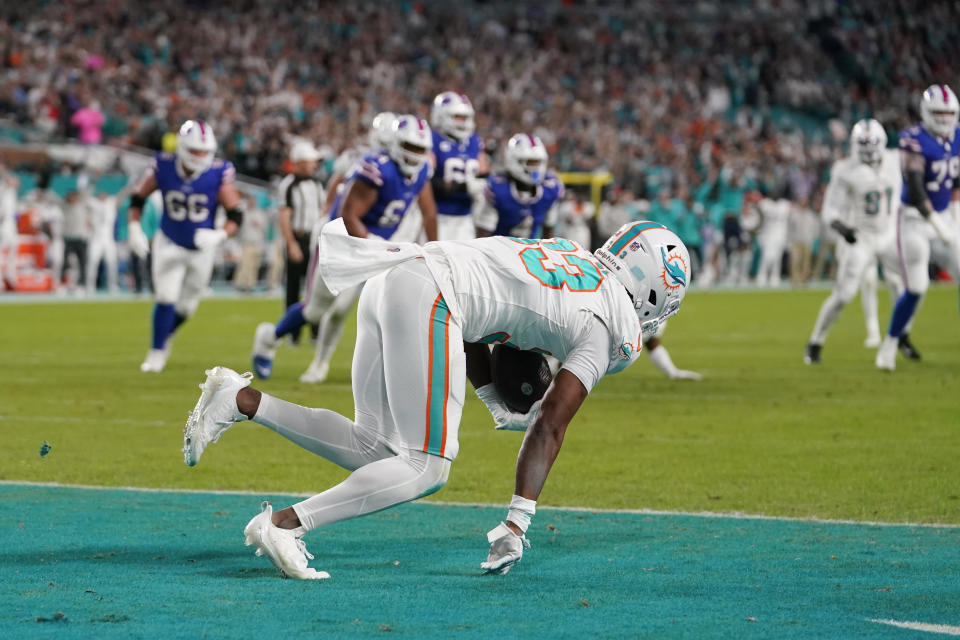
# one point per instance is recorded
(436, 436)
(632, 233)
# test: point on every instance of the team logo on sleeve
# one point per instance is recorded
(674, 273)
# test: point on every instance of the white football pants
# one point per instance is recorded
(856, 269)
(409, 376)
(917, 242)
(180, 276)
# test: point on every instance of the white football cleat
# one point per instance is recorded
(872, 342)
(286, 551)
(316, 372)
(264, 349)
(215, 411)
(683, 374)
(887, 354)
(155, 361)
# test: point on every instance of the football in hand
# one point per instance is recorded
(520, 377)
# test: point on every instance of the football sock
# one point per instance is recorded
(830, 310)
(322, 432)
(291, 321)
(178, 319)
(660, 357)
(902, 312)
(163, 319)
(374, 487)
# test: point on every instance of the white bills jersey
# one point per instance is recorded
(862, 196)
(538, 295)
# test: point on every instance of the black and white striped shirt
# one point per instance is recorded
(304, 196)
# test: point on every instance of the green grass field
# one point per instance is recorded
(761, 434)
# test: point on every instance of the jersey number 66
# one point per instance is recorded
(180, 206)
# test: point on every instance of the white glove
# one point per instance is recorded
(137, 239)
(504, 418)
(683, 374)
(506, 549)
(208, 238)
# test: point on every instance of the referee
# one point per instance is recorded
(302, 197)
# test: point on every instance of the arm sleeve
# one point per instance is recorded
(589, 360)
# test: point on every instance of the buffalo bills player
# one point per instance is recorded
(926, 221)
(521, 202)
(376, 195)
(458, 160)
(193, 184)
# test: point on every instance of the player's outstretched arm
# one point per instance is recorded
(540, 448)
(359, 199)
(428, 209)
(545, 437)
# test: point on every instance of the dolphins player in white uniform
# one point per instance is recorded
(927, 222)
(193, 184)
(375, 198)
(860, 201)
(426, 317)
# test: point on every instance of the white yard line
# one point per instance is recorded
(735, 515)
(944, 629)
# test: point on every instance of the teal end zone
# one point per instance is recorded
(79, 563)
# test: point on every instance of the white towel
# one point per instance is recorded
(345, 261)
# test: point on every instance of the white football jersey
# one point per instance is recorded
(776, 216)
(348, 158)
(542, 295)
(862, 196)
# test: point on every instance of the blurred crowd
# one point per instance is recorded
(698, 109)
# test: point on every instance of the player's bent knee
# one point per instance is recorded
(433, 472)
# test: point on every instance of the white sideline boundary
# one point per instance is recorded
(945, 629)
(731, 515)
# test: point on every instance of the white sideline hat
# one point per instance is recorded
(303, 150)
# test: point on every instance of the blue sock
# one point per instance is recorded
(291, 321)
(902, 312)
(163, 319)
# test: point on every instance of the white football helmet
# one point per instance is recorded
(411, 144)
(939, 110)
(653, 265)
(381, 130)
(452, 115)
(868, 140)
(526, 158)
(196, 145)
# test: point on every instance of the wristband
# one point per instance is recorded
(521, 511)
